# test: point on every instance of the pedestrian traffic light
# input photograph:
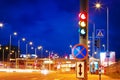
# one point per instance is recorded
(83, 23)
(97, 43)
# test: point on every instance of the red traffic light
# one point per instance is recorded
(83, 16)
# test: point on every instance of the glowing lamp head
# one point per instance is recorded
(98, 5)
(15, 33)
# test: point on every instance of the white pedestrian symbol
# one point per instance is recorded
(100, 34)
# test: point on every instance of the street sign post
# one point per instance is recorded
(80, 52)
(80, 69)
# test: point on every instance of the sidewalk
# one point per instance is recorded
(97, 77)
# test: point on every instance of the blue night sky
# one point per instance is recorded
(53, 24)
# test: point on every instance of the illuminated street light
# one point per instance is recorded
(23, 39)
(71, 48)
(3, 52)
(41, 48)
(15, 33)
(6, 48)
(103, 46)
(30, 43)
(38, 48)
(1, 25)
(98, 6)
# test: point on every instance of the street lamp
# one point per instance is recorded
(41, 48)
(98, 6)
(2, 53)
(38, 48)
(49, 67)
(15, 33)
(23, 39)
(71, 48)
(103, 46)
(1, 25)
(30, 43)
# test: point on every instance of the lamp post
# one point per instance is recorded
(38, 48)
(35, 53)
(98, 6)
(30, 43)
(2, 54)
(71, 48)
(41, 48)
(23, 39)
(103, 46)
(49, 67)
(15, 33)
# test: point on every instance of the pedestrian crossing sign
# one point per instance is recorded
(100, 32)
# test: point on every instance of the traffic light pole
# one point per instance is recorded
(84, 39)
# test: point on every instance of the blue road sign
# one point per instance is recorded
(100, 33)
(80, 52)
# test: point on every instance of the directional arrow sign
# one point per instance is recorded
(80, 72)
(80, 69)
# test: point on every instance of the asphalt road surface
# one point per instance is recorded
(49, 76)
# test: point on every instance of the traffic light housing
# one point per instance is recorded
(83, 23)
(97, 43)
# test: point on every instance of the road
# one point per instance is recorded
(50, 76)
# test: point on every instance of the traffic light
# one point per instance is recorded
(97, 43)
(83, 23)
